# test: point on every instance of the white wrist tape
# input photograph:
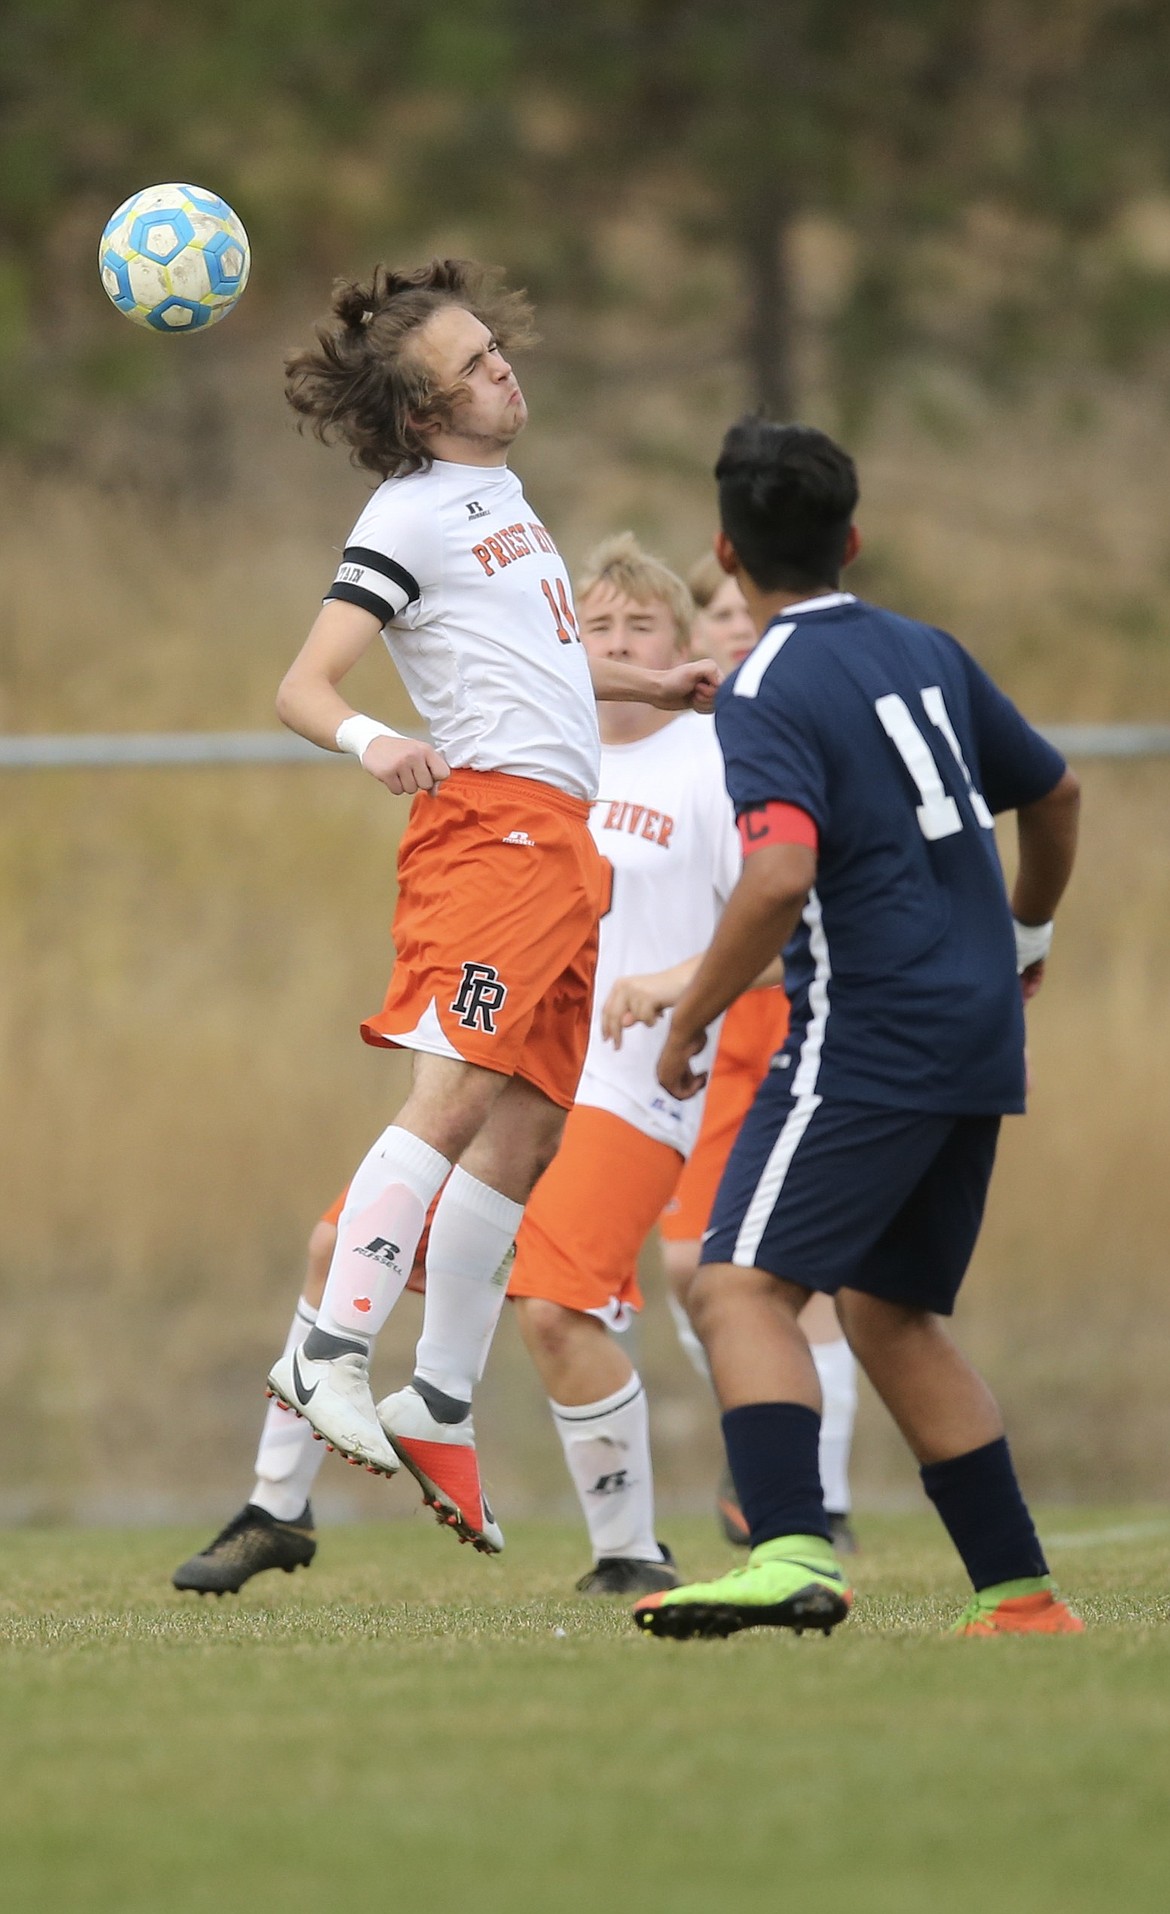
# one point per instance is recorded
(1033, 942)
(356, 734)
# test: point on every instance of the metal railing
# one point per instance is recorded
(121, 750)
(115, 750)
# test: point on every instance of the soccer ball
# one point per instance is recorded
(175, 258)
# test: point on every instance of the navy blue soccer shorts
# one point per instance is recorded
(835, 1195)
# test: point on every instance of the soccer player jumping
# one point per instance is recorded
(866, 757)
(499, 881)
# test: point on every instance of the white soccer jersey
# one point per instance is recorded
(477, 615)
(664, 823)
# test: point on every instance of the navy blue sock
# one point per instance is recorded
(772, 1448)
(985, 1515)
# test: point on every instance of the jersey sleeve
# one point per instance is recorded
(391, 558)
(771, 750)
(1016, 765)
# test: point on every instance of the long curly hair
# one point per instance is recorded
(363, 383)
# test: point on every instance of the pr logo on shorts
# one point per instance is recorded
(478, 998)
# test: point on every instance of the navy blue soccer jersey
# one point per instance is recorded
(902, 970)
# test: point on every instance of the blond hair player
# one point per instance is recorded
(664, 827)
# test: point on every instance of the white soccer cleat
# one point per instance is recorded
(336, 1400)
(441, 1457)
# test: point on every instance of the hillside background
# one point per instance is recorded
(941, 230)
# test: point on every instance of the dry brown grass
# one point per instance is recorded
(185, 954)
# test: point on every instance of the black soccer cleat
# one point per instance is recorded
(252, 1541)
(626, 1575)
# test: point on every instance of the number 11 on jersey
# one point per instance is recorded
(938, 815)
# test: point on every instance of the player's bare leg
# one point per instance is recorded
(429, 1423)
(449, 1102)
(938, 1400)
(318, 1256)
(327, 1379)
(512, 1150)
(836, 1371)
(576, 1358)
(748, 1324)
(599, 1408)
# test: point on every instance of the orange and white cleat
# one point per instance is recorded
(1029, 1607)
(442, 1459)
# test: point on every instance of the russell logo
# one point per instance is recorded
(379, 1251)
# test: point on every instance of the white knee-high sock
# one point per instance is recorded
(837, 1369)
(467, 1279)
(288, 1459)
(378, 1233)
(607, 1449)
(691, 1347)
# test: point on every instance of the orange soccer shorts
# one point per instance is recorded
(495, 932)
(590, 1214)
(753, 1030)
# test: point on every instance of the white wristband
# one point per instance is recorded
(1033, 942)
(356, 734)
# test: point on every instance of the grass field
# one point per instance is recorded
(408, 1725)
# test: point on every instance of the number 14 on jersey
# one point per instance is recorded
(561, 608)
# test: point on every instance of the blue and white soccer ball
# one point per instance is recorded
(174, 258)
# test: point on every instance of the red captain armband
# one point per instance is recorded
(776, 823)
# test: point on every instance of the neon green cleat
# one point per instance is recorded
(793, 1581)
(1030, 1607)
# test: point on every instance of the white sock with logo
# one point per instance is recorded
(837, 1369)
(607, 1449)
(378, 1232)
(468, 1260)
(288, 1459)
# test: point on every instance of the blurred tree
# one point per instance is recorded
(900, 123)
(979, 159)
